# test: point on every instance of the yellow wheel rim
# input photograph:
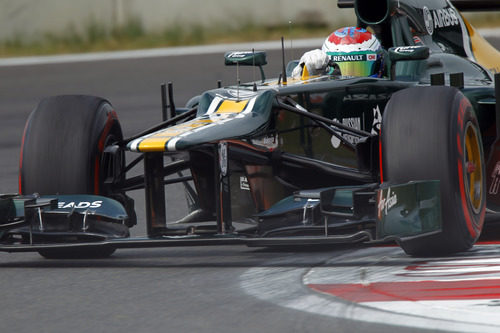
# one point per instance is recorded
(473, 167)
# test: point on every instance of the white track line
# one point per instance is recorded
(159, 52)
(280, 285)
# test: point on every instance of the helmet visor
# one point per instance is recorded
(355, 63)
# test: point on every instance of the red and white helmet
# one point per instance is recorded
(356, 51)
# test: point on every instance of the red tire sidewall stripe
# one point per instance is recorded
(473, 227)
(100, 148)
(459, 145)
(380, 156)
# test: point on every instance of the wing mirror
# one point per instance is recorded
(404, 53)
(246, 58)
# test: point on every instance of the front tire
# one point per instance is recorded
(431, 133)
(62, 152)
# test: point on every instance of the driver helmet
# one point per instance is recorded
(356, 51)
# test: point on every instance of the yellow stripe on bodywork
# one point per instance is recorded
(485, 54)
(158, 141)
(228, 106)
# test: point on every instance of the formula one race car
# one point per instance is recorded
(413, 157)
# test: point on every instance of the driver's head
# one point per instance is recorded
(356, 51)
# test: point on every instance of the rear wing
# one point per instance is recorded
(461, 5)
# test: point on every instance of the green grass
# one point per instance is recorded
(132, 35)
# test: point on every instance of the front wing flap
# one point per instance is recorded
(408, 210)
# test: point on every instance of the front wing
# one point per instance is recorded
(398, 213)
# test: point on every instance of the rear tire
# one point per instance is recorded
(431, 133)
(62, 150)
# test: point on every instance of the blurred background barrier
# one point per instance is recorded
(33, 19)
(36, 27)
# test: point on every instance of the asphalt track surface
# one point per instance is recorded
(209, 289)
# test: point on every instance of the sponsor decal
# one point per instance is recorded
(353, 57)
(244, 185)
(495, 181)
(79, 205)
(335, 141)
(270, 142)
(418, 40)
(439, 18)
(223, 158)
(406, 49)
(238, 55)
(386, 202)
(429, 23)
(351, 122)
(184, 128)
(356, 124)
(377, 120)
(446, 17)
